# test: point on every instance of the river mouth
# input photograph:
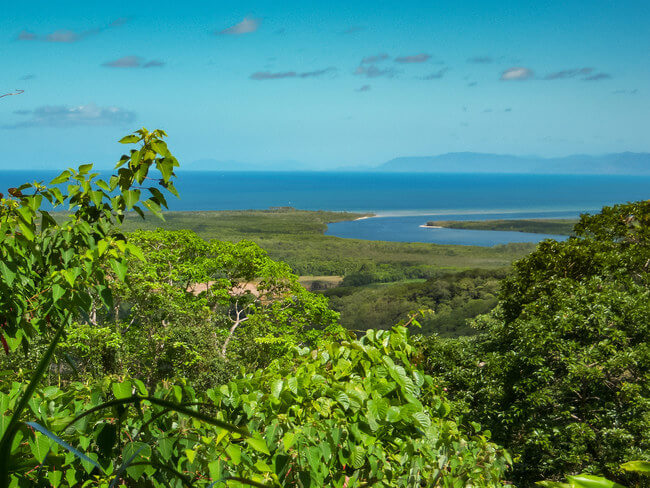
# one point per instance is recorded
(412, 228)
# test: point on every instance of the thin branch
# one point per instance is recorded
(18, 92)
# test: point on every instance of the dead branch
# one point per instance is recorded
(17, 92)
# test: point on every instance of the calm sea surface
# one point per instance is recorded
(404, 201)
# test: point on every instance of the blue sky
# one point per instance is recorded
(329, 84)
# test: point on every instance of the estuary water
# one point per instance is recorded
(404, 201)
(407, 228)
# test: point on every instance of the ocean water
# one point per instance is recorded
(403, 200)
(390, 193)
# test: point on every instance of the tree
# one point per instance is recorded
(561, 373)
(200, 311)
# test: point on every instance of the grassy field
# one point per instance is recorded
(296, 237)
(537, 226)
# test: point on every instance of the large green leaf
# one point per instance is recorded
(589, 481)
(642, 467)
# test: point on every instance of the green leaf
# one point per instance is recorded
(103, 185)
(54, 477)
(62, 178)
(358, 457)
(191, 454)
(122, 390)
(8, 275)
(57, 292)
(343, 399)
(130, 139)
(314, 458)
(276, 388)
(422, 420)
(140, 452)
(642, 467)
(70, 275)
(120, 268)
(258, 443)
(589, 481)
(85, 168)
(40, 447)
(130, 197)
(292, 385)
(234, 453)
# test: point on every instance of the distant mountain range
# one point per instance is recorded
(216, 165)
(626, 163)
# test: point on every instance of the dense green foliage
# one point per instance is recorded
(311, 406)
(199, 311)
(350, 414)
(561, 371)
(538, 226)
(453, 297)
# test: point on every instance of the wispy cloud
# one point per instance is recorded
(472, 84)
(626, 92)
(154, 63)
(27, 77)
(436, 75)
(480, 60)
(363, 88)
(83, 115)
(26, 36)
(119, 21)
(418, 58)
(598, 77)
(374, 59)
(67, 36)
(267, 75)
(373, 71)
(517, 73)
(246, 26)
(318, 72)
(125, 62)
(569, 73)
(133, 62)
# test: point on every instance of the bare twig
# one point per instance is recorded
(17, 92)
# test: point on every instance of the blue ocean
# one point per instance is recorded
(403, 201)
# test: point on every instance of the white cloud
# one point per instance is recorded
(517, 73)
(246, 26)
(82, 115)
